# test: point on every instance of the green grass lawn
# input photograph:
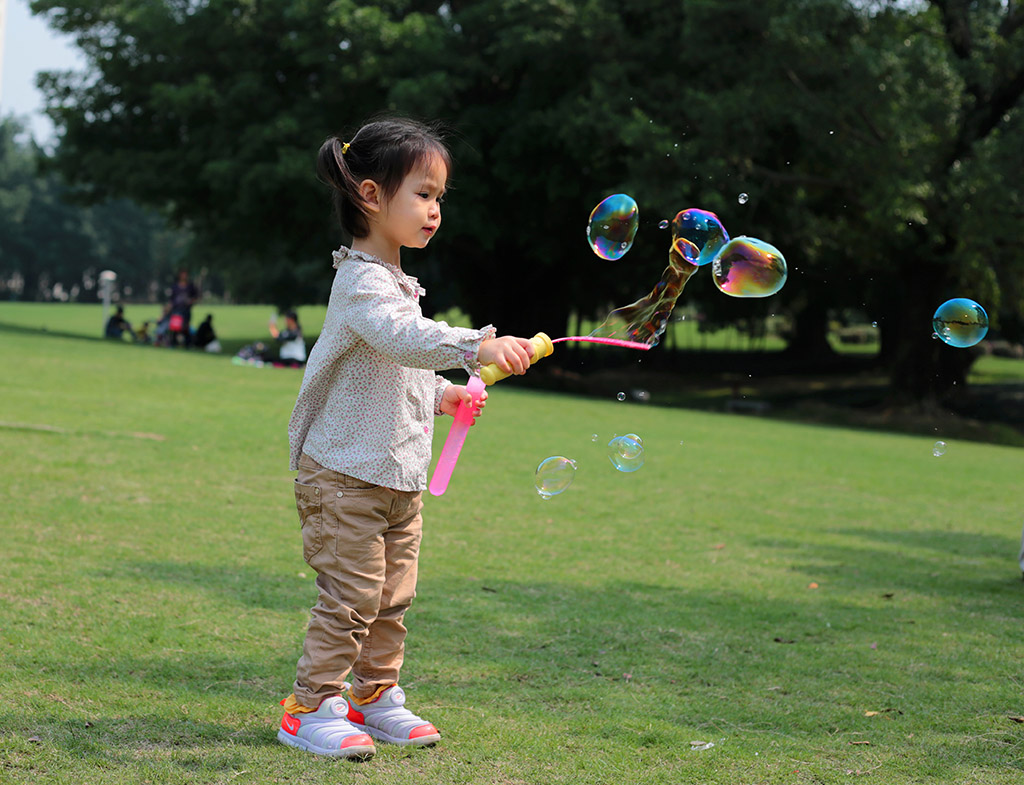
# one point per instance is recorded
(824, 605)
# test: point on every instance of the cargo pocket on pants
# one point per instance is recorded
(307, 501)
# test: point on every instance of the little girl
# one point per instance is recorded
(360, 438)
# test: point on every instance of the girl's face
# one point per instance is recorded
(413, 214)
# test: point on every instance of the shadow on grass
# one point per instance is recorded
(181, 744)
(946, 564)
(245, 586)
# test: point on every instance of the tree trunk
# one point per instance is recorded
(809, 340)
(922, 368)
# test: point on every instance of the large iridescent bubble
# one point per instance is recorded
(960, 322)
(748, 267)
(702, 230)
(612, 226)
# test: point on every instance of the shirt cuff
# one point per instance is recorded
(470, 360)
(440, 385)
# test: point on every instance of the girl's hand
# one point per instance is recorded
(512, 355)
(455, 393)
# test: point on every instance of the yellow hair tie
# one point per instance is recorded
(344, 148)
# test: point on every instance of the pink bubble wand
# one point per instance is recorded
(465, 415)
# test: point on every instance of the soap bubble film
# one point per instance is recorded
(554, 475)
(748, 267)
(960, 322)
(703, 229)
(939, 449)
(645, 320)
(612, 226)
(626, 453)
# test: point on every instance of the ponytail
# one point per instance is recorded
(384, 151)
(333, 170)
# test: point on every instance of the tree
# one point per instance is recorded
(43, 240)
(857, 128)
(51, 245)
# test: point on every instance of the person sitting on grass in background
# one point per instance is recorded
(117, 325)
(205, 338)
(360, 438)
(142, 334)
(291, 345)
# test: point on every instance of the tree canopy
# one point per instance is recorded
(51, 247)
(878, 142)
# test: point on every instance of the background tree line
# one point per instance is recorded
(879, 142)
(52, 246)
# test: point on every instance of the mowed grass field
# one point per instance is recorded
(822, 605)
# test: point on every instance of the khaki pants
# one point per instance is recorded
(363, 541)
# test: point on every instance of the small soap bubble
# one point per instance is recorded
(554, 475)
(621, 396)
(748, 267)
(935, 336)
(960, 322)
(593, 437)
(874, 324)
(939, 449)
(742, 198)
(663, 224)
(626, 452)
(703, 230)
(612, 226)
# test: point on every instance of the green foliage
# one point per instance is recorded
(876, 140)
(53, 247)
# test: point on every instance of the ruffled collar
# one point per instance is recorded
(407, 282)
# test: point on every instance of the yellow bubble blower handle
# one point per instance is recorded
(542, 347)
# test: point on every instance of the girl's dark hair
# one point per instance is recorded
(384, 151)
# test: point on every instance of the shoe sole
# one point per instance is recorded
(421, 741)
(363, 752)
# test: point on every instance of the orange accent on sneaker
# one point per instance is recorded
(422, 730)
(376, 694)
(292, 706)
(290, 724)
(358, 740)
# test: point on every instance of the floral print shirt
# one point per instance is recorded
(369, 394)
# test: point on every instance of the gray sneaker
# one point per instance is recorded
(387, 719)
(326, 731)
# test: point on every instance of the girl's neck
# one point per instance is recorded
(379, 247)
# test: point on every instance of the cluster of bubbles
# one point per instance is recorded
(554, 475)
(960, 322)
(626, 452)
(741, 267)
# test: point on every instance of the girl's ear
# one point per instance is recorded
(369, 191)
